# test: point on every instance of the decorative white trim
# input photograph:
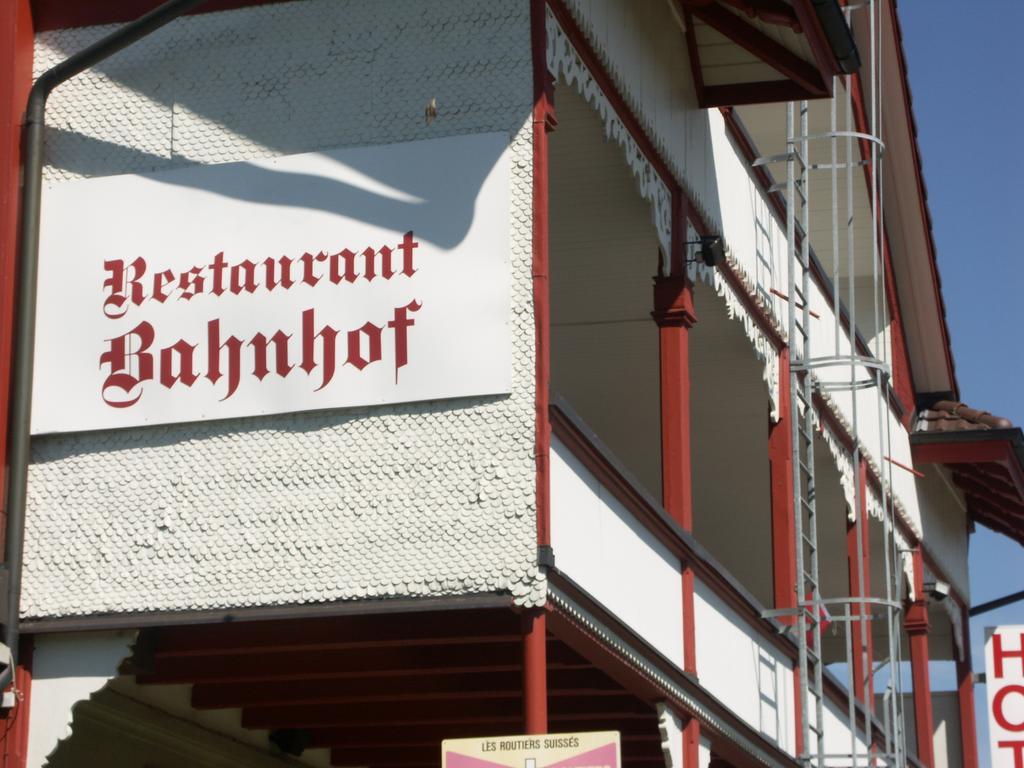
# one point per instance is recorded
(670, 727)
(763, 347)
(563, 59)
(844, 465)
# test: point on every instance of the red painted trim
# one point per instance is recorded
(694, 56)
(965, 698)
(816, 39)
(963, 452)
(674, 315)
(768, 11)
(765, 92)
(661, 526)
(535, 672)
(637, 505)
(60, 14)
(780, 461)
(543, 122)
(904, 467)
(772, 53)
(15, 722)
(689, 623)
(863, 654)
(691, 743)
(594, 649)
(16, 42)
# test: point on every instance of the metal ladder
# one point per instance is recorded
(803, 424)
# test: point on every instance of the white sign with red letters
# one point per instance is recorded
(324, 280)
(1004, 680)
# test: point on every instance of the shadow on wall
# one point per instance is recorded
(438, 201)
(188, 95)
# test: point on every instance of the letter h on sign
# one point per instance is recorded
(1005, 683)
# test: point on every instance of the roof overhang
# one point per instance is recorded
(760, 51)
(988, 467)
(908, 219)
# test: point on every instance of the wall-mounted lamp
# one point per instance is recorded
(711, 250)
(936, 590)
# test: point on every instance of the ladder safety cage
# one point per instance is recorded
(834, 360)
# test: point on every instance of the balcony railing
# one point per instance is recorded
(622, 549)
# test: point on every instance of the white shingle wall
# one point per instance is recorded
(421, 499)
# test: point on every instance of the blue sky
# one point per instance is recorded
(963, 62)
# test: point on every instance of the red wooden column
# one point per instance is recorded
(917, 629)
(780, 462)
(674, 315)
(16, 41)
(535, 681)
(859, 566)
(965, 698)
(543, 123)
(535, 669)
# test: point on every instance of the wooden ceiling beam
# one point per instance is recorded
(453, 687)
(772, 53)
(773, 12)
(436, 712)
(364, 663)
(355, 736)
(337, 633)
(766, 92)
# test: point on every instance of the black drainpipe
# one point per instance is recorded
(19, 425)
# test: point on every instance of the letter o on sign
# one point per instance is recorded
(997, 707)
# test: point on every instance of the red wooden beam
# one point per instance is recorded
(961, 451)
(364, 663)
(59, 14)
(817, 41)
(338, 633)
(16, 50)
(1000, 494)
(433, 712)
(772, 53)
(765, 92)
(360, 735)
(483, 685)
(769, 11)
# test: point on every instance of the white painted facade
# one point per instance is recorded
(600, 545)
(743, 669)
(433, 498)
(402, 500)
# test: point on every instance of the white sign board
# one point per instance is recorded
(594, 749)
(1004, 681)
(324, 280)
